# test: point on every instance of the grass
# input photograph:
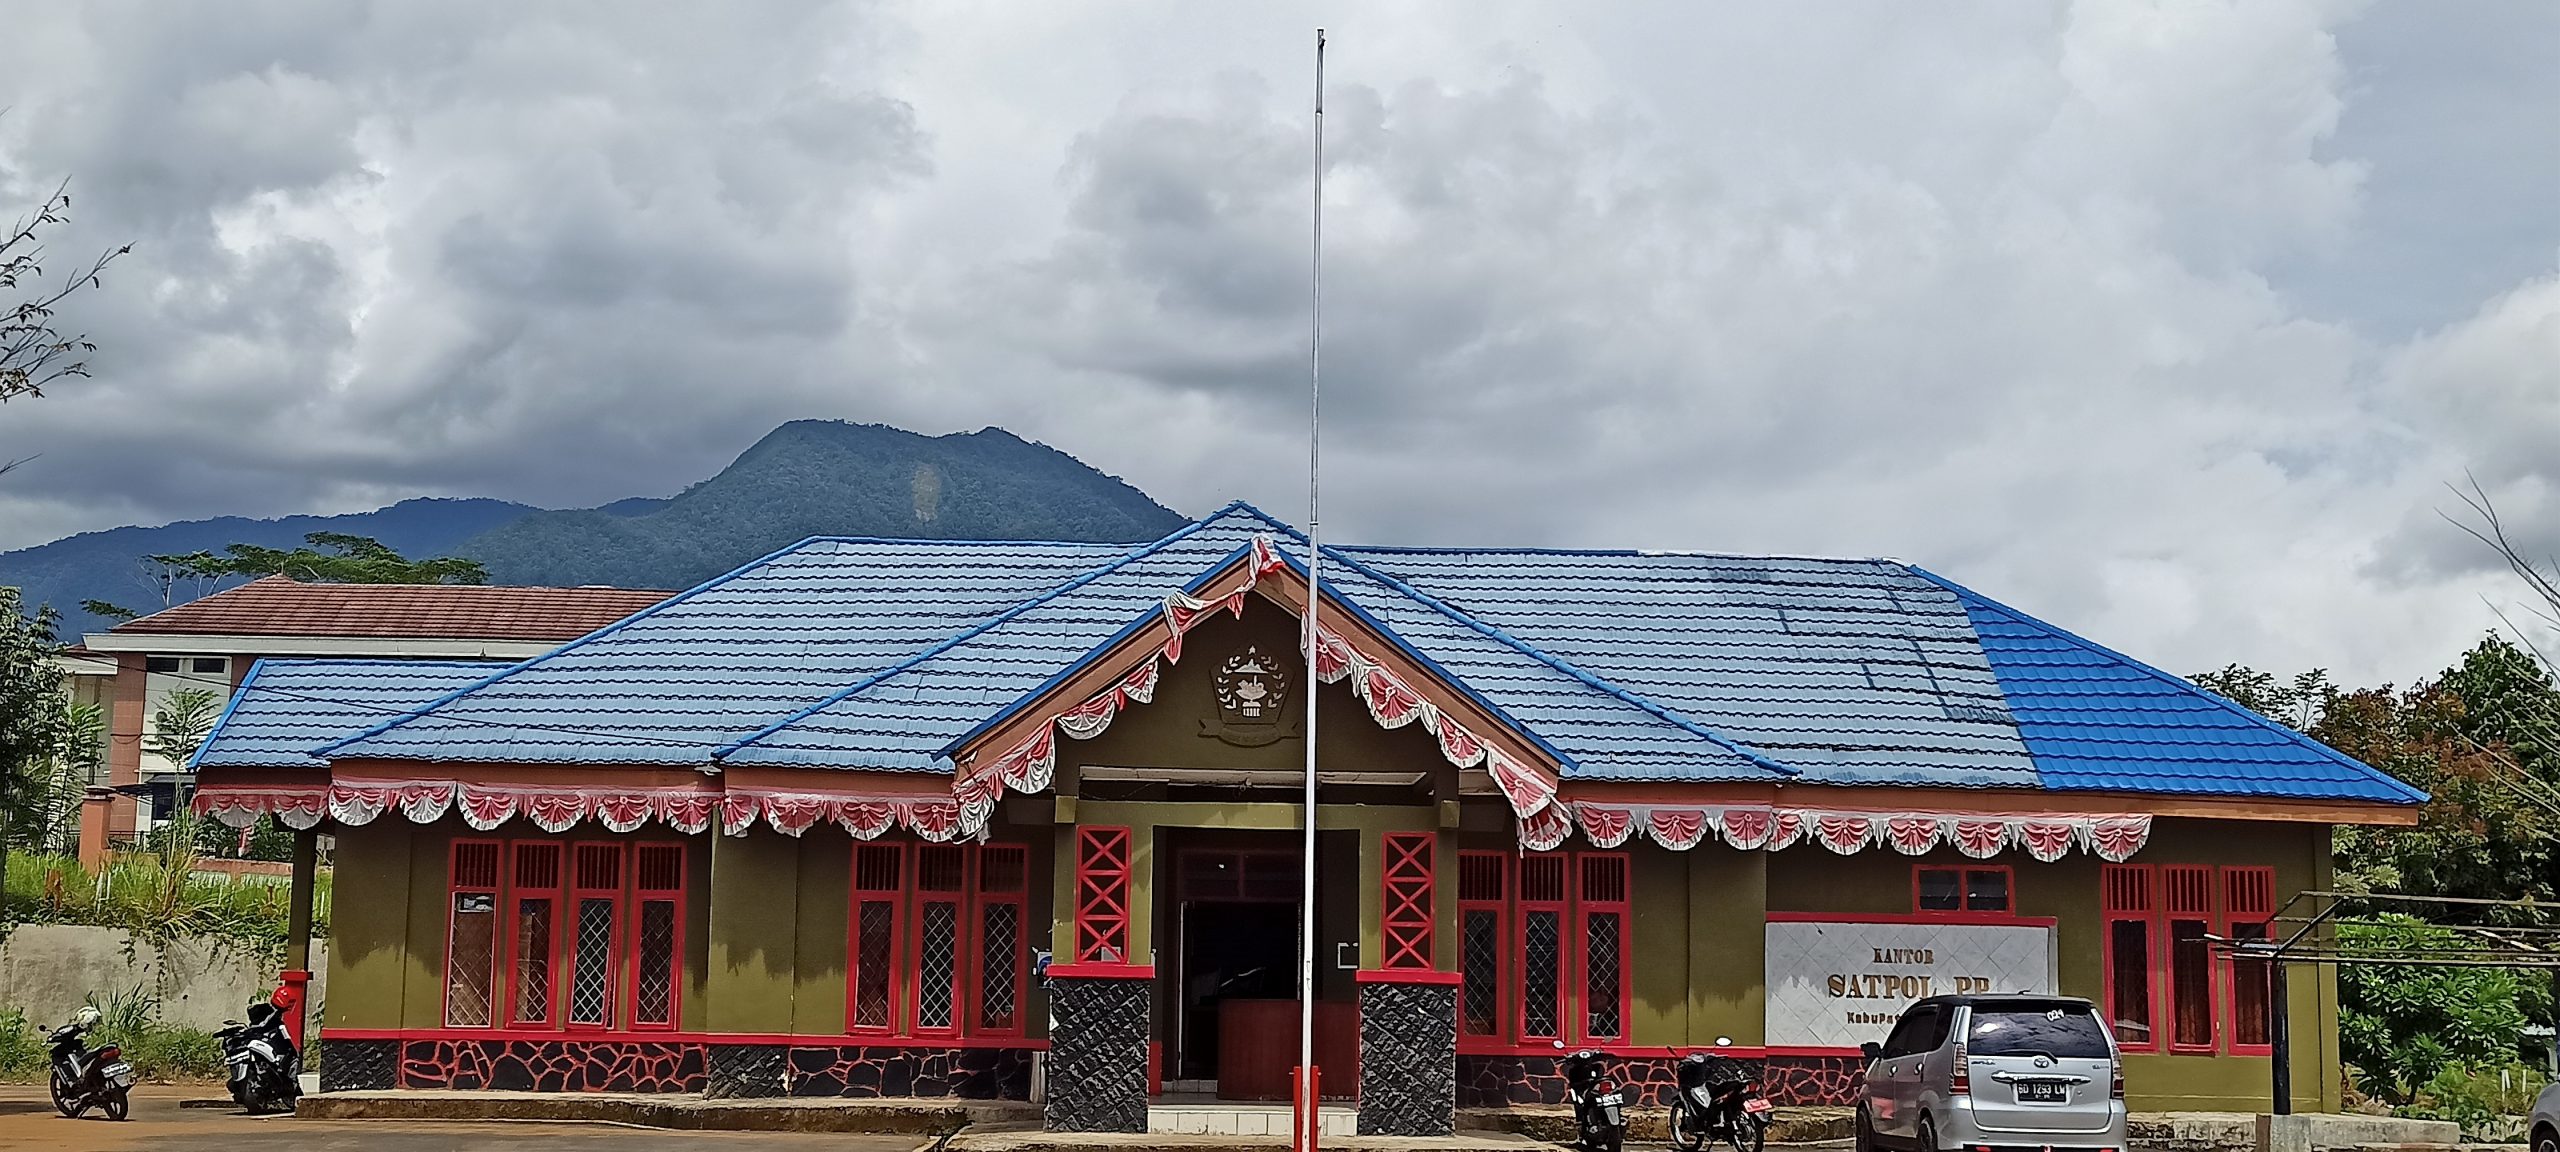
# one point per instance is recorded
(157, 898)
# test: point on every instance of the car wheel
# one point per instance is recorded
(1928, 1136)
(2546, 1140)
(1863, 1131)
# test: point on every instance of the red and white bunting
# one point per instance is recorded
(296, 806)
(557, 809)
(1029, 765)
(2046, 837)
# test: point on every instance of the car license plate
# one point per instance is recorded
(1755, 1104)
(1612, 1100)
(2041, 1092)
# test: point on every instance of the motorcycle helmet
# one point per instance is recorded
(88, 1016)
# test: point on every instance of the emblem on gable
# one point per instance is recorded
(1253, 700)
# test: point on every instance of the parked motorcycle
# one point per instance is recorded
(265, 1067)
(83, 1078)
(1717, 1100)
(1599, 1108)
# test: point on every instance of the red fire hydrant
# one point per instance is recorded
(288, 1000)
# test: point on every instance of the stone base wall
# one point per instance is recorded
(1649, 1081)
(1097, 1070)
(1408, 1059)
(676, 1066)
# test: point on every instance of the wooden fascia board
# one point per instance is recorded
(1995, 802)
(1288, 589)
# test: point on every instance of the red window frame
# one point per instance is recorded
(2187, 897)
(612, 862)
(1561, 905)
(1103, 854)
(522, 870)
(1604, 885)
(2129, 893)
(478, 883)
(1478, 874)
(1405, 907)
(953, 865)
(876, 890)
(670, 864)
(1963, 900)
(2248, 912)
(988, 894)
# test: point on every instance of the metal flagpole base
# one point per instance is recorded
(1304, 1098)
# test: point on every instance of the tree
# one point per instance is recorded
(325, 558)
(33, 714)
(34, 353)
(2400, 1025)
(181, 722)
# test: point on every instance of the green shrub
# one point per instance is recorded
(2404, 1025)
(22, 1054)
(2483, 1100)
(157, 899)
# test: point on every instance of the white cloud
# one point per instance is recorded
(2001, 289)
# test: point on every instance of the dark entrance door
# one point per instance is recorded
(1236, 1003)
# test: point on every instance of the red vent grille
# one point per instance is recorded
(2128, 888)
(1102, 894)
(475, 864)
(537, 866)
(1002, 868)
(1480, 875)
(1604, 879)
(2189, 890)
(1406, 915)
(599, 867)
(2250, 891)
(1542, 879)
(942, 868)
(661, 868)
(878, 868)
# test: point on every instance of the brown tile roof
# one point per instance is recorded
(279, 606)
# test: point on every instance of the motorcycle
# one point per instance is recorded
(83, 1078)
(1599, 1108)
(265, 1068)
(1717, 1099)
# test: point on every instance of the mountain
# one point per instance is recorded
(106, 565)
(805, 478)
(826, 478)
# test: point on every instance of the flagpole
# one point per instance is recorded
(1304, 1107)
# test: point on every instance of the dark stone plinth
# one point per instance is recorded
(1097, 1075)
(741, 1071)
(358, 1065)
(1408, 1058)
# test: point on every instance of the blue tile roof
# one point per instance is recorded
(675, 682)
(882, 655)
(287, 708)
(2098, 720)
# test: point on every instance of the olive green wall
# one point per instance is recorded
(369, 961)
(1809, 879)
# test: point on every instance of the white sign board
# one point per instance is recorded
(1838, 984)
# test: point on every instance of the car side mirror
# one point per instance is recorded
(1871, 1050)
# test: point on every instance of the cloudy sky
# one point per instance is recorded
(2171, 322)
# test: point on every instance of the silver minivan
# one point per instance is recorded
(1994, 1074)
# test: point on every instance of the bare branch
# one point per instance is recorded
(33, 352)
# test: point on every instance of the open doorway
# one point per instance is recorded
(1236, 952)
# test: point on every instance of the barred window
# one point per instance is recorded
(657, 938)
(1566, 917)
(879, 881)
(1002, 884)
(537, 931)
(941, 880)
(471, 943)
(596, 905)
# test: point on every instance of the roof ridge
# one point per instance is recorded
(1640, 701)
(598, 634)
(2303, 739)
(964, 636)
(1632, 553)
(228, 706)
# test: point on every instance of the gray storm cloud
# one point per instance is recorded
(2146, 318)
